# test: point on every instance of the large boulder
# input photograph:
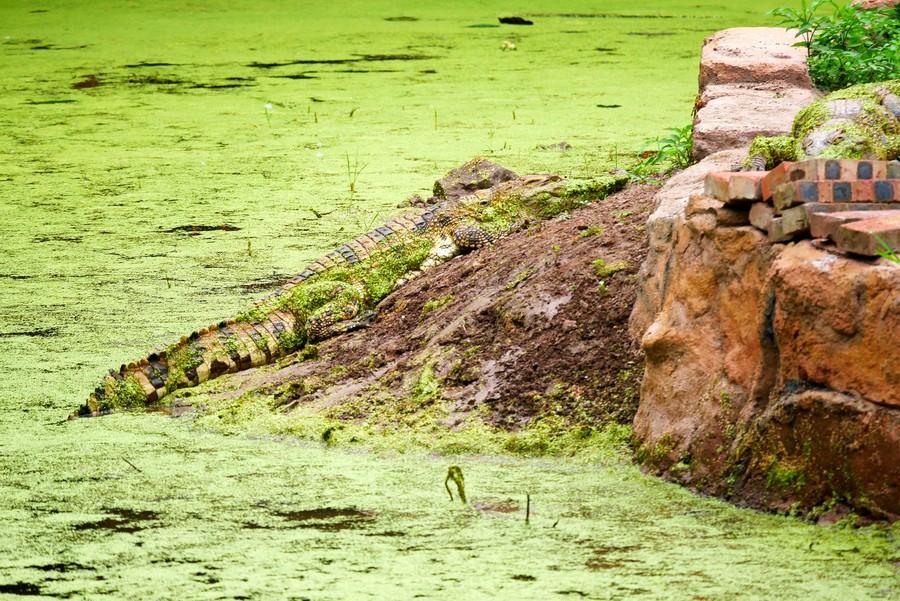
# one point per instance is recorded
(771, 373)
(771, 376)
(753, 82)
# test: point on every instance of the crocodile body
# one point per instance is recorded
(860, 122)
(337, 292)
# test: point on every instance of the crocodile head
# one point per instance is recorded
(818, 141)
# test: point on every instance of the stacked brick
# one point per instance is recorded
(854, 204)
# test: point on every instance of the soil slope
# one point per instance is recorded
(533, 325)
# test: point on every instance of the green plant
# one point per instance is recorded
(804, 20)
(436, 303)
(604, 269)
(849, 45)
(593, 230)
(673, 151)
(353, 171)
(886, 251)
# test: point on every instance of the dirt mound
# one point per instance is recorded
(533, 325)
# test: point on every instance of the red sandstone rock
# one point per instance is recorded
(870, 4)
(731, 115)
(753, 55)
(771, 369)
(753, 82)
(671, 202)
(743, 330)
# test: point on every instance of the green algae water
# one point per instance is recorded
(162, 164)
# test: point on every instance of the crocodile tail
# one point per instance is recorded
(225, 347)
(262, 335)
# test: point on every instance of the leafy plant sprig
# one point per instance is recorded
(673, 151)
(886, 251)
(848, 45)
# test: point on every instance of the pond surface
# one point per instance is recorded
(161, 164)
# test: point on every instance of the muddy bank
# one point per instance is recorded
(533, 327)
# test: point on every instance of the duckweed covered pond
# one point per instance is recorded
(148, 187)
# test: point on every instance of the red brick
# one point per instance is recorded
(799, 192)
(776, 233)
(823, 225)
(874, 170)
(794, 222)
(838, 169)
(761, 215)
(887, 190)
(810, 170)
(781, 175)
(893, 170)
(826, 169)
(737, 186)
(862, 190)
(860, 237)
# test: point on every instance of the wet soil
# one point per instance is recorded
(524, 328)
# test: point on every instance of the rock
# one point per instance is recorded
(515, 21)
(771, 375)
(670, 204)
(732, 115)
(745, 328)
(477, 174)
(724, 216)
(761, 215)
(753, 55)
(753, 82)
(870, 4)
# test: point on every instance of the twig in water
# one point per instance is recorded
(132, 465)
(318, 214)
(555, 523)
(527, 508)
(454, 472)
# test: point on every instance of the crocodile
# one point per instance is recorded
(859, 122)
(472, 207)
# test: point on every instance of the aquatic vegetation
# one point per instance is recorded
(121, 163)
